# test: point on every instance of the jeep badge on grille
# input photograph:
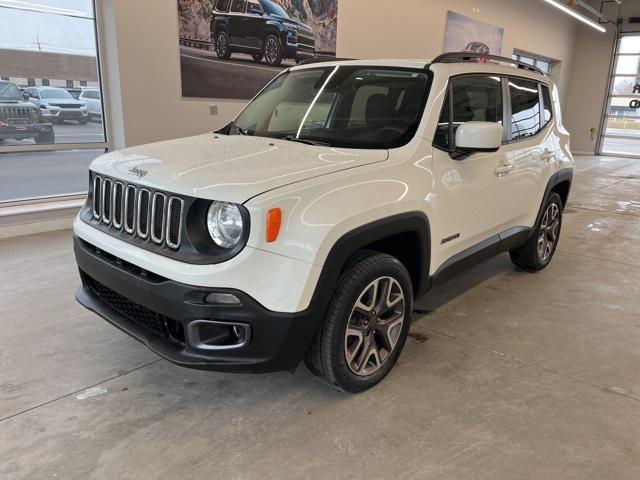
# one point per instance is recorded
(137, 172)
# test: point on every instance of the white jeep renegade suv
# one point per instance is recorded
(306, 227)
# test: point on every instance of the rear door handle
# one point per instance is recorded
(503, 169)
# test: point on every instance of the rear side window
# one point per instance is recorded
(237, 6)
(525, 108)
(475, 98)
(222, 5)
(546, 101)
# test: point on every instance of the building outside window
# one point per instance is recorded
(48, 50)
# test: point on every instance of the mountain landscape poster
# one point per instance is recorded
(233, 48)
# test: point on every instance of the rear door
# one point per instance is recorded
(526, 149)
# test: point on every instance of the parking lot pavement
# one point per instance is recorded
(92, 132)
(43, 174)
(205, 75)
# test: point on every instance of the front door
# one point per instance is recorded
(473, 204)
(237, 23)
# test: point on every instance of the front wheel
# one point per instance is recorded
(366, 325)
(223, 50)
(538, 251)
(272, 50)
(46, 137)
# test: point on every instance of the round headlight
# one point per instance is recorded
(224, 222)
(34, 114)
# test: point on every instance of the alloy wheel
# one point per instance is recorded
(374, 326)
(271, 50)
(548, 235)
(221, 45)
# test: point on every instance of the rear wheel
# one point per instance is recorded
(366, 325)
(538, 251)
(223, 50)
(272, 50)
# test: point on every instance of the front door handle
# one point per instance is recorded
(503, 169)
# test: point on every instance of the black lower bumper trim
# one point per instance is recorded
(278, 340)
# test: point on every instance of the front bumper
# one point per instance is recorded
(277, 341)
(66, 114)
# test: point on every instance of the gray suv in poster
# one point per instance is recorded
(261, 28)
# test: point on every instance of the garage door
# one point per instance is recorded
(621, 134)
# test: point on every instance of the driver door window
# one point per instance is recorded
(475, 99)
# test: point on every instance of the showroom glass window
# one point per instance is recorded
(475, 98)
(525, 108)
(48, 137)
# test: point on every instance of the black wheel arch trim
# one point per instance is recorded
(561, 176)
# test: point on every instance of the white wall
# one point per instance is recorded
(589, 80)
(142, 53)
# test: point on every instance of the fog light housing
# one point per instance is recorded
(216, 335)
(218, 298)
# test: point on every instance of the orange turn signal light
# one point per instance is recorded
(274, 219)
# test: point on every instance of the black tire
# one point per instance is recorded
(44, 138)
(537, 252)
(222, 46)
(257, 56)
(272, 50)
(327, 357)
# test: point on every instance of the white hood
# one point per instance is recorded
(229, 168)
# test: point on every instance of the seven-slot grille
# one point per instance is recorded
(13, 113)
(138, 211)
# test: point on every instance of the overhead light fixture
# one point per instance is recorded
(577, 15)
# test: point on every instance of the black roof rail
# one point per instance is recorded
(461, 57)
(321, 59)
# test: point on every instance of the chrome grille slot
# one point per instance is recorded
(118, 197)
(130, 197)
(97, 197)
(158, 217)
(174, 225)
(136, 214)
(142, 218)
(107, 186)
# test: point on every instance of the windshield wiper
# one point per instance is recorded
(306, 141)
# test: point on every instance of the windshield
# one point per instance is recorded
(341, 106)
(8, 91)
(273, 9)
(59, 94)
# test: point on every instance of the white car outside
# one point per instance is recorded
(305, 228)
(92, 99)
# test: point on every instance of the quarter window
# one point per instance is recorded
(237, 6)
(475, 98)
(525, 108)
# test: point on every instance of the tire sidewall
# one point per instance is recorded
(344, 377)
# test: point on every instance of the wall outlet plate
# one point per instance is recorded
(213, 109)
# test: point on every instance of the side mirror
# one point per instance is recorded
(26, 96)
(255, 8)
(478, 137)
